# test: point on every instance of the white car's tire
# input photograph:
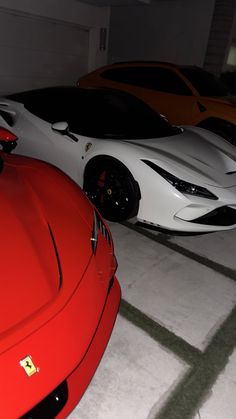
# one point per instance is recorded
(112, 189)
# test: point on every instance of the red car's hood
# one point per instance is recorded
(29, 268)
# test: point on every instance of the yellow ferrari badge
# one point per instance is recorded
(88, 146)
(28, 366)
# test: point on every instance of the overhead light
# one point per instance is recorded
(145, 1)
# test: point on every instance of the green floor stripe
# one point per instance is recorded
(192, 390)
(164, 240)
(188, 395)
(169, 340)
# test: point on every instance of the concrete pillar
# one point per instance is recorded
(220, 36)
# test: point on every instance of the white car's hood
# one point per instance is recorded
(194, 155)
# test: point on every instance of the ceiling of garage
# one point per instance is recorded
(101, 3)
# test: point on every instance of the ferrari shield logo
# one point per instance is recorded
(28, 366)
(88, 146)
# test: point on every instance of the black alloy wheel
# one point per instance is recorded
(112, 189)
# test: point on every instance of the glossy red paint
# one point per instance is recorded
(6, 135)
(58, 304)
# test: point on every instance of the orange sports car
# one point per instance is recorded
(186, 95)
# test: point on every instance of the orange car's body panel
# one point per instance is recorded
(180, 109)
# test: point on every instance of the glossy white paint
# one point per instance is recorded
(194, 155)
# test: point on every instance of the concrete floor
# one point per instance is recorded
(172, 352)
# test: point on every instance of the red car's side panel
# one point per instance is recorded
(81, 376)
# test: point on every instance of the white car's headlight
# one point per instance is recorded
(181, 185)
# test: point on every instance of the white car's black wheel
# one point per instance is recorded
(112, 189)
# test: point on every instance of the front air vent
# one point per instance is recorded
(103, 229)
(51, 406)
(8, 117)
(223, 216)
(99, 225)
(94, 238)
(57, 256)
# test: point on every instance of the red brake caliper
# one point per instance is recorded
(101, 184)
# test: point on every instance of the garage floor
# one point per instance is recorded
(171, 354)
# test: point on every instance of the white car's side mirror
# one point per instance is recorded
(61, 126)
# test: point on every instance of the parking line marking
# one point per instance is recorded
(189, 393)
(217, 267)
(160, 334)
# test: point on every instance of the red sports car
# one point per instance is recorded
(59, 295)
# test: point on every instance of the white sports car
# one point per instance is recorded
(130, 161)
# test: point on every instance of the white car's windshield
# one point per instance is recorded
(98, 113)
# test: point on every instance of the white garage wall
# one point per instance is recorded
(48, 42)
(175, 31)
(39, 52)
